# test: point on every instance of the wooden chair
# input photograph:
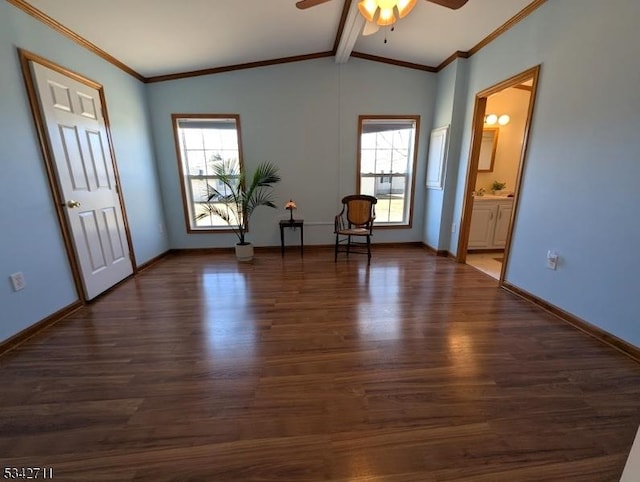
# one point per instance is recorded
(355, 219)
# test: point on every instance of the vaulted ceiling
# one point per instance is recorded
(163, 37)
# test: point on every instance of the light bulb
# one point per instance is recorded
(405, 6)
(491, 119)
(504, 119)
(368, 9)
(386, 17)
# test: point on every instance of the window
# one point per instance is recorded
(202, 142)
(387, 152)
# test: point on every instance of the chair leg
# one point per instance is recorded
(368, 250)
(348, 246)
(335, 254)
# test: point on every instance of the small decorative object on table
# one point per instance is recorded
(291, 205)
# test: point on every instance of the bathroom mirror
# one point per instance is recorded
(488, 149)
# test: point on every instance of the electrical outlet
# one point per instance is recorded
(453, 227)
(160, 228)
(552, 259)
(17, 281)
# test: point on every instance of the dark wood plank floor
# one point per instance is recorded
(415, 369)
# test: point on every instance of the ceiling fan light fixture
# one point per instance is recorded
(385, 12)
(368, 9)
(370, 28)
(387, 17)
(405, 6)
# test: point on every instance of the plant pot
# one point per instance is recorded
(244, 252)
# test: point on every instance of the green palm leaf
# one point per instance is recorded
(238, 199)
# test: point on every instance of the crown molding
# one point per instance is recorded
(517, 18)
(399, 63)
(44, 18)
(230, 68)
(456, 55)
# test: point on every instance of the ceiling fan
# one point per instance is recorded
(381, 13)
(453, 4)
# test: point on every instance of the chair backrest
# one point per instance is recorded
(360, 209)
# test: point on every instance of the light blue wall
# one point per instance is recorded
(449, 110)
(580, 184)
(580, 192)
(304, 117)
(30, 238)
(447, 226)
(442, 116)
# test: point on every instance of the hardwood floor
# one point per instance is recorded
(414, 369)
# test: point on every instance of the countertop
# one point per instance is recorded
(491, 197)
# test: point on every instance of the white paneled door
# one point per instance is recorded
(79, 145)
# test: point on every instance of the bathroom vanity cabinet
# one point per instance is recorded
(490, 222)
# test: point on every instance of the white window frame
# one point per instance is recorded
(384, 121)
(180, 122)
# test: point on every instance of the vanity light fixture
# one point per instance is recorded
(493, 119)
(490, 119)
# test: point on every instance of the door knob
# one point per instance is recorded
(73, 204)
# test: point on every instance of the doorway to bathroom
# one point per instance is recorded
(501, 124)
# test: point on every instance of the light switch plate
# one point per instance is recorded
(552, 259)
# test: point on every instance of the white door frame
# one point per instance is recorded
(56, 192)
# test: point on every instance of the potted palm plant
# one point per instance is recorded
(235, 197)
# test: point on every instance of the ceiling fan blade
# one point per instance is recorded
(370, 28)
(303, 4)
(453, 4)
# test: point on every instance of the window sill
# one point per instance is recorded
(209, 230)
(391, 226)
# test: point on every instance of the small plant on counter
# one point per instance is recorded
(498, 186)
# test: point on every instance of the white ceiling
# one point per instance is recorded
(159, 37)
